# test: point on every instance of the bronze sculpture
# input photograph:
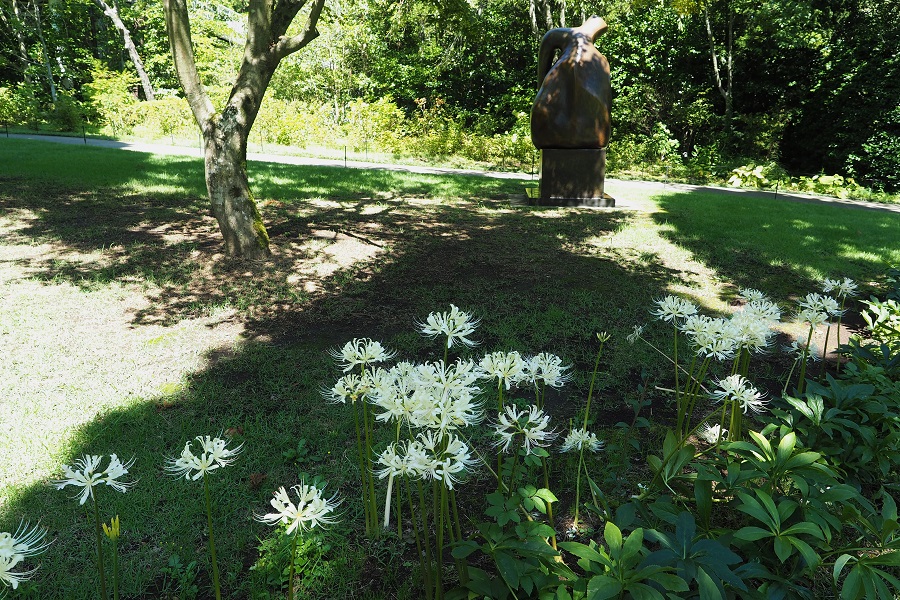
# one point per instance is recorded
(570, 119)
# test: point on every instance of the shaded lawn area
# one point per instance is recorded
(127, 331)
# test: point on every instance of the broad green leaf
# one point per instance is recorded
(508, 567)
(786, 447)
(853, 585)
(633, 544)
(640, 591)
(464, 549)
(602, 587)
(839, 566)
(708, 588)
(751, 534)
(585, 552)
(613, 537)
(546, 495)
(783, 548)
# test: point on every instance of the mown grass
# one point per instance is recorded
(126, 331)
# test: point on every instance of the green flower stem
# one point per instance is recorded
(439, 532)
(100, 567)
(787, 381)
(549, 504)
(460, 564)
(512, 475)
(399, 512)
(825, 353)
(675, 359)
(801, 379)
(212, 540)
(426, 539)
(840, 316)
(362, 467)
(691, 400)
(373, 509)
(293, 569)
(587, 408)
(426, 570)
(578, 486)
(499, 454)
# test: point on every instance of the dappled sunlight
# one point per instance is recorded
(72, 355)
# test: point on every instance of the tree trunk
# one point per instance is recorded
(44, 50)
(113, 13)
(17, 29)
(225, 134)
(725, 87)
(231, 202)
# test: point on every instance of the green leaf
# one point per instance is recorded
(708, 588)
(585, 552)
(786, 447)
(601, 587)
(783, 548)
(508, 567)
(546, 495)
(633, 544)
(751, 534)
(839, 566)
(613, 536)
(464, 549)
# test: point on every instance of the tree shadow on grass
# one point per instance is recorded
(536, 277)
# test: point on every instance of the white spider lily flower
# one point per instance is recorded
(821, 304)
(751, 295)
(10, 577)
(735, 388)
(763, 309)
(799, 346)
(457, 325)
(87, 475)
(361, 351)
(579, 439)
(813, 317)
(349, 388)
(456, 459)
(24, 542)
(312, 509)
(712, 433)
(636, 333)
(845, 288)
(531, 425)
(507, 367)
(548, 369)
(751, 332)
(215, 454)
(673, 308)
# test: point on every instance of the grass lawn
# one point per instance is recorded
(125, 330)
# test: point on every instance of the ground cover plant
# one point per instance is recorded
(128, 333)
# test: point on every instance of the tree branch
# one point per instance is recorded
(178, 26)
(289, 45)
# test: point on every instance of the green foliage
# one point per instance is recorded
(19, 105)
(111, 96)
(883, 320)
(314, 564)
(619, 568)
(696, 558)
(179, 579)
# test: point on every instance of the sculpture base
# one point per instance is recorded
(573, 178)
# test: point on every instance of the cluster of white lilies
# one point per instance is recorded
(429, 406)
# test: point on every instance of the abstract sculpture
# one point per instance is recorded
(570, 120)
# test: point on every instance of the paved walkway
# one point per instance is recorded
(353, 164)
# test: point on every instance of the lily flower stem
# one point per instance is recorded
(801, 379)
(824, 353)
(362, 467)
(838, 332)
(549, 504)
(100, 567)
(675, 358)
(373, 510)
(681, 402)
(426, 570)
(587, 408)
(399, 512)
(212, 540)
(460, 564)
(692, 399)
(293, 568)
(439, 547)
(426, 540)
(499, 454)
(512, 475)
(578, 486)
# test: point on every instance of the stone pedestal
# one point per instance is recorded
(573, 178)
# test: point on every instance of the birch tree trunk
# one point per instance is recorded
(112, 12)
(225, 133)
